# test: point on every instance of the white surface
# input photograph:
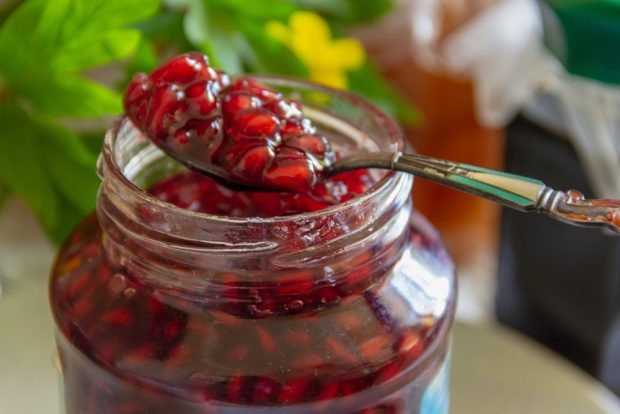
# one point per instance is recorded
(27, 377)
(494, 371)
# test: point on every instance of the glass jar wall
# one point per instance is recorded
(160, 309)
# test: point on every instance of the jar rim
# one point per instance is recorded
(383, 185)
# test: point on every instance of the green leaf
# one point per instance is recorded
(222, 49)
(122, 12)
(87, 52)
(70, 165)
(92, 141)
(45, 45)
(268, 55)
(73, 97)
(232, 34)
(6, 9)
(257, 9)
(215, 34)
(325, 7)
(166, 26)
(367, 82)
(94, 16)
(17, 38)
(348, 12)
(4, 193)
(50, 39)
(68, 218)
(22, 167)
(144, 60)
(177, 4)
(50, 168)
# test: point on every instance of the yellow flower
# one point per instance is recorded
(310, 38)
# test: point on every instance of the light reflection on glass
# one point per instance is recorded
(428, 291)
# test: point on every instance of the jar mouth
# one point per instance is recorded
(391, 136)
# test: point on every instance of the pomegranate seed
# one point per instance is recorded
(328, 294)
(289, 172)
(117, 317)
(81, 307)
(293, 391)
(253, 162)
(284, 108)
(329, 392)
(137, 89)
(165, 102)
(203, 104)
(239, 352)
(196, 90)
(315, 144)
(184, 69)
(296, 126)
(172, 329)
(299, 337)
(223, 79)
(253, 123)
(185, 100)
(373, 346)
(388, 372)
(267, 341)
(236, 101)
(410, 343)
(235, 389)
(308, 363)
(350, 322)
(260, 91)
(265, 391)
(340, 351)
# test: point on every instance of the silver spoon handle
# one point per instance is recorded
(514, 191)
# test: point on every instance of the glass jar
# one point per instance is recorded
(165, 310)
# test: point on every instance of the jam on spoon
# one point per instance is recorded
(236, 129)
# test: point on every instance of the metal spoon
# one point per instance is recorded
(514, 191)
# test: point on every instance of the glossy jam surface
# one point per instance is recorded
(241, 130)
(193, 191)
(364, 335)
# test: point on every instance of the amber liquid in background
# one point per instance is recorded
(449, 129)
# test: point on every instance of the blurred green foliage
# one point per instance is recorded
(48, 46)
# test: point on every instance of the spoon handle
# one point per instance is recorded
(514, 191)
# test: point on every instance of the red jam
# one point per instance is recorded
(264, 343)
(240, 130)
(193, 191)
(333, 300)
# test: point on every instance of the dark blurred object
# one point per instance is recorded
(557, 283)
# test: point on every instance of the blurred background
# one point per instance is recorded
(528, 86)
